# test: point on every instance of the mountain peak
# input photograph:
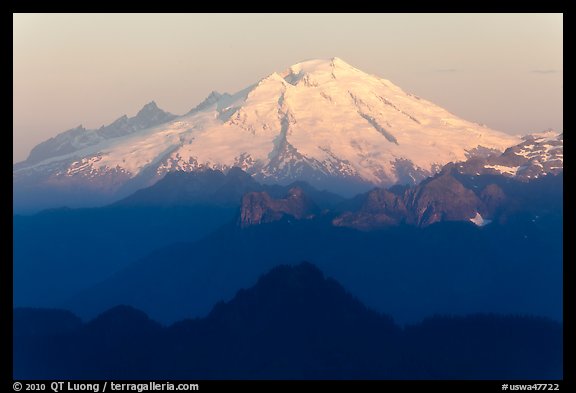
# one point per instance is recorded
(338, 60)
(149, 107)
(313, 65)
(260, 207)
(151, 115)
(123, 320)
(213, 96)
(289, 290)
(547, 135)
(325, 69)
(210, 100)
(322, 121)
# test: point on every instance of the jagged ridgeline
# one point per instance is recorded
(292, 324)
(170, 248)
(322, 121)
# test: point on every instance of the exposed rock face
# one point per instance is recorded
(260, 207)
(537, 155)
(78, 138)
(448, 196)
(381, 208)
(441, 198)
(321, 121)
(493, 197)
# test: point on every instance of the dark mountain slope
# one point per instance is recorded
(62, 251)
(293, 324)
(409, 272)
(452, 196)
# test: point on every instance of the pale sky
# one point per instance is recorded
(503, 70)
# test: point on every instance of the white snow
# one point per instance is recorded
(511, 170)
(545, 136)
(479, 220)
(327, 110)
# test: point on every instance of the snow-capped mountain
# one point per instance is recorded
(80, 138)
(538, 154)
(322, 121)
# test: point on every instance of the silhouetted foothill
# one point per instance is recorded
(292, 324)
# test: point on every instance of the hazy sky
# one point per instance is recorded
(503, 70)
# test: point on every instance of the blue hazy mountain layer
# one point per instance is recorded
(59, 252)
(407, 272)
(141, 252)
(292, 324)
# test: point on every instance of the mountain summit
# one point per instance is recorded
(322, 121)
